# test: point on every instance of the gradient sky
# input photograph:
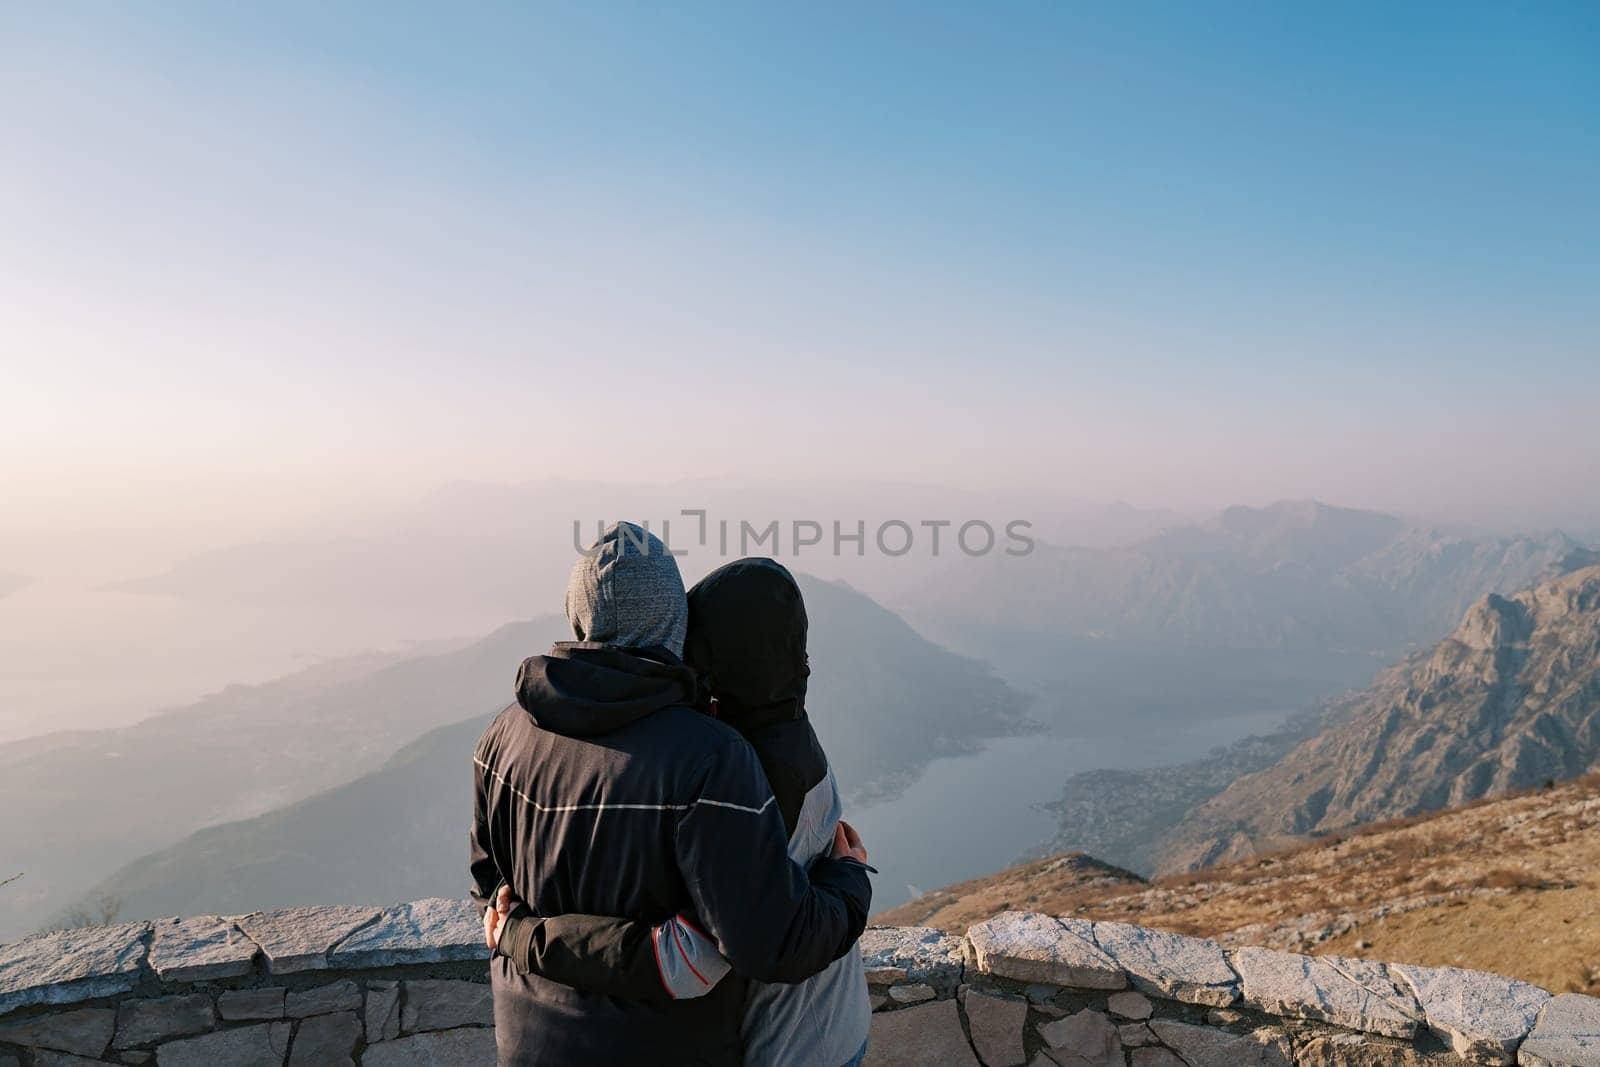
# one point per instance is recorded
(261, 257)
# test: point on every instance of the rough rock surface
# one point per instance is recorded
(1170, 965)
(1482, 1016)
(1087, 1039)
(1130, 1005)
(918, 1037)
(299, 939)
(424, 931)
(326, 1041)
(1134, 1035)
(71, 965)
(1154, 1057)
(1349, 993)
(442, 1049)
(928, 1006)
(383, 1011)
(262, 1045)
(995, 1021)
(140, 1022)
(84, 1032)
(1566, 1035)
(190, 950)
(912, 953)
(443, 1005)
(265, 1003)
(1037, 948)
(1355, 1050)
(1204, 1046)
(342, 995)
(915, 993)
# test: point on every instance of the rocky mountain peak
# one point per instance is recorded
(1510, 700)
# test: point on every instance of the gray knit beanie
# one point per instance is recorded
(627, 591)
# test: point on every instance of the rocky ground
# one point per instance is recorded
(1510, 886)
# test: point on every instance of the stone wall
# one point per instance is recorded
(407, 985)
(384, 987)
(1028, 989)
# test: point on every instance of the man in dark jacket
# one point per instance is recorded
(603, 791)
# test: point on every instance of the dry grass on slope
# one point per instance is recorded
(1510, 885)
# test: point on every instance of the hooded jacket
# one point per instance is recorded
(747, 642)
(603, 790)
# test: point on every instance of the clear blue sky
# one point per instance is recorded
(1177, 253)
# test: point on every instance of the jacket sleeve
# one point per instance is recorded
(620, 957)
(485, 874)
(768, 918)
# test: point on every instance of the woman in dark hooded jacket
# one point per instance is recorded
(747, 644)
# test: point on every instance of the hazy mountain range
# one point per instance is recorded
(1510, 699)
(336, 789)
(79, 803)
(1295, 575)
(883, 700)
(493, 547)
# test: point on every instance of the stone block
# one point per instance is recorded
(84, 1032)
(919, 1037)
(1130, 1005)
(1358, 1050)
(1567, 1034)
(299, 939)
(1086, 1039)
(326, 1041)
(146, 1021)
(912, 993)
(1170, 965)
(1354, 994)
(1154, 1057)
(1483, 1017)
(239, 1004)
(1134, 1035)
(1204, 1046)
(435, 1004)
(261, 1045)
(471, 1047)
(893, 954)
(383, 1011)
(424, 931)
(343, 995)
(68, 966)
(194, 950)
(50, 1058)
(995, 1022)
(1038, 948)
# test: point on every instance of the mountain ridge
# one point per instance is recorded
(884, 701)
(1507, 701)
(1292, 574)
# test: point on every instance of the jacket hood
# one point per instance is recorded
(747, 643)
(626, 591)
(584, 689)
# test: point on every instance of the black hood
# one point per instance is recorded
(583, 689)
(747, 643)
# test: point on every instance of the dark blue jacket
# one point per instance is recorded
(602, 791)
